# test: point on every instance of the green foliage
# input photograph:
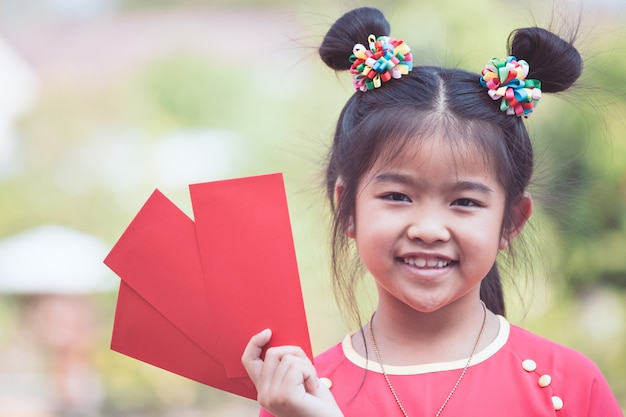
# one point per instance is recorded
(587, 199)
(190, 91)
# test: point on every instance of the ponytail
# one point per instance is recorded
(557, 64)
(553, 60)
(351, 28)
(491, 291)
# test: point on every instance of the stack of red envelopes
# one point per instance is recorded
(194, 292)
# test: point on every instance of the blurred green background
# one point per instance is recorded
(102, 101)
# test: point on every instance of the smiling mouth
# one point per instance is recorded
(427, 263)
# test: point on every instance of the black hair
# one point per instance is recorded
(376, 124)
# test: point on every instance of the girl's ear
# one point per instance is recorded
(521, 213)
(339, 188)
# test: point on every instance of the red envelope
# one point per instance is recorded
(141, 332)
(192, 313)
(162, 315)
(249, 264)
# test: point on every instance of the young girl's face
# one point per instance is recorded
(428, 225)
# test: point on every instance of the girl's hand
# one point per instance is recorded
(286, 381)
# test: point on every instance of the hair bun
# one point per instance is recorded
(552, 60)
(351, 28)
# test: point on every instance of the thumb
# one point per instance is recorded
(251, 357)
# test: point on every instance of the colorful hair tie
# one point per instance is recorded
(506, 80)
(385, 59)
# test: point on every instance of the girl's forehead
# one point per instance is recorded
(453, 155)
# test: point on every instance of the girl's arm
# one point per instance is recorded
(286, 381)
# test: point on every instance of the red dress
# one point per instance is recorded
(503, 380)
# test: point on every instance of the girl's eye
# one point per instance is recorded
(396, 197)
(466, 202)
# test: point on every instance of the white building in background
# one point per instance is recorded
(54, 259)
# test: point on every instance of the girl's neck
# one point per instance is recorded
(409, 337)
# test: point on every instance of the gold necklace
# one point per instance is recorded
(458, 381)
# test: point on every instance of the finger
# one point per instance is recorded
(278, 352)
(274, 357)
(323, 392)
(285, 386)
(251, 357)
(296, 390)
(295, 370)
(311, 381)
(292, 371)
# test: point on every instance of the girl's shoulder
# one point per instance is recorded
(533, 348)
(572, 378)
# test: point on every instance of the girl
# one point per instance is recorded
(427, 177)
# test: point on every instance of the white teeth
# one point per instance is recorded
(430, 263)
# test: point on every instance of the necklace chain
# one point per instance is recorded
(456, 384)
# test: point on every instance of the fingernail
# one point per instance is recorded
(265, 332)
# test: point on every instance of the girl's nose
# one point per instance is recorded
(428, 228)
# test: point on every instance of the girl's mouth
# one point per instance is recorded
(427, 263)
